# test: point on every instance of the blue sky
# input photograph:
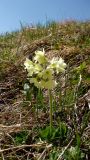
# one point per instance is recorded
(12, 12)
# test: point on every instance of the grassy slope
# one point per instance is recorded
(71, 40)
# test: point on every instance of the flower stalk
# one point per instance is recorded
(51, 111)
(41, 72)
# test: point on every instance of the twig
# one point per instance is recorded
(43, 153)
(47, 147)
(10, 128)
(10, 137)
(2, 155)
(65, 149)
(20, 147)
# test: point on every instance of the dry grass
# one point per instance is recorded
(71, 40)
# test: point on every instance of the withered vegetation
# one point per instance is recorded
(19, 122)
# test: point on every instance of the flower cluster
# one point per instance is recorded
(41, 70)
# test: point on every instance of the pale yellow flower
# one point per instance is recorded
(50, 84)
(41, 71)
(30, 72)
(62, 64)
(57, 64)
(53, 63)
(36, 82)
(28, 64)
(37, 68)
(40, 57)
(47, 73)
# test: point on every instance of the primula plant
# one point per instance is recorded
(41, 73)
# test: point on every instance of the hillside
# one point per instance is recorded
(19, 122)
